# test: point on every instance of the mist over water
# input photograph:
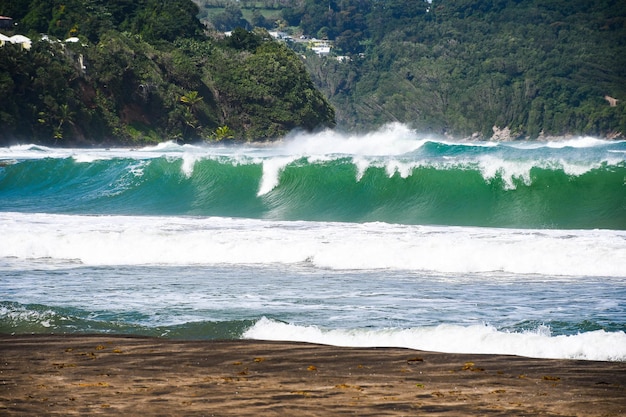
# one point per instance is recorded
(385, 239)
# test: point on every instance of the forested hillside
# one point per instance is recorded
(134, 72)
(146, 70)
(460, 67)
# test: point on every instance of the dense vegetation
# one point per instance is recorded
(459, 67)
(145, 71)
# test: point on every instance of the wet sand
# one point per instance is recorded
(110, 375)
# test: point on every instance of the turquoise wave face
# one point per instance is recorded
(438, 183)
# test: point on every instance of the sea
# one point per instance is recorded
(390, 238)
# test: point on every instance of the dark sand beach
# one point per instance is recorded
(110, 375)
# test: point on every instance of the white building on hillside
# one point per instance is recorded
(21, 40)
(321, 48)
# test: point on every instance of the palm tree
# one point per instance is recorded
(64, 115)
(223, 132)
(191, 99)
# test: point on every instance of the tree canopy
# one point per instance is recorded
(145, 71)
(461, 67)
(452, 67)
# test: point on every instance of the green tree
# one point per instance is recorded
(191, 99)
(243, 39)
(64, 115)
(231, 18)
(142, 73)
(260, 21)
(221, 133)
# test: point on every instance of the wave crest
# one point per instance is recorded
(539, 343)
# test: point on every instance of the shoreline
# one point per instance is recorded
(134, 375)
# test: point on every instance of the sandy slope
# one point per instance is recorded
(89, 375)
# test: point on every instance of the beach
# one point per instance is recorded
(120, 375)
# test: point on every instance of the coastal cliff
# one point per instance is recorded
(137, 73)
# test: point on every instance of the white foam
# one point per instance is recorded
(271, 173)
(402, 168)
(87, 158)
(168, 146)
(480, 339)
(362, 166)
(21, 314)
(490, 167)
(580, 142)
(189, 161)
(560, 143)
(512, 171)
(392, 139)
(132, 240)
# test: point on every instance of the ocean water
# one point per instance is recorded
(384, 239)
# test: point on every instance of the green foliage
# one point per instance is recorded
(38, 99)
(221, 133)
(230, 19)
(260, 21)
(158, 79)
(460, 67)
(243, 40)
(166, 20)
(456, 67)
(191, 99)
(268, 92)
(154, 20)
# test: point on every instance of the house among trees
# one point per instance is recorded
(16, 39)
(321, 48)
